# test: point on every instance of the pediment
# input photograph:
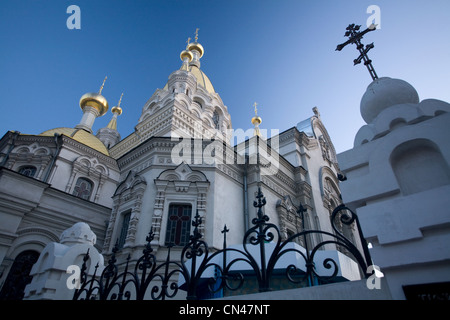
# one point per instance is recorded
(86, 162)
(183, 172)
(287, 203)
(131, 181)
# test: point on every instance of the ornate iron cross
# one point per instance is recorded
(355, 37)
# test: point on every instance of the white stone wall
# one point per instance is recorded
(98, 168)
(399, 181)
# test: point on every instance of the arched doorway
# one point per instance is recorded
(19, 276)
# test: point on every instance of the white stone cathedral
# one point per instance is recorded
(178, 162)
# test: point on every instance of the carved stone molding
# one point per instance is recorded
(182, 179)
(128, 195)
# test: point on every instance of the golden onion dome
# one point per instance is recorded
(94, 100)
(196, 46)
(81, 136)
(117, 110)
(256, 120)
(186, 54)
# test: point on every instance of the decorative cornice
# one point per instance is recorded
(82, 148)
(36, 230)
(300, 138)
(284, 188)
(47, 140)
(148, 147)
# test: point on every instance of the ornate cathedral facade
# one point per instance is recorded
(178, 162)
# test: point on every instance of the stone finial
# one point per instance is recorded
(80, 232)
(316, 112)
(383, 93)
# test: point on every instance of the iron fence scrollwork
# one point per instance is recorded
(150, 280)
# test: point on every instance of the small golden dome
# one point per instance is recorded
(94, 100)
(186, 54)
(256, 120)
(196, 46)
(117, 110)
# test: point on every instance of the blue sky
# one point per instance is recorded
(278, 53)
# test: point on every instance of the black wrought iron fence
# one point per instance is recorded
(199, 266)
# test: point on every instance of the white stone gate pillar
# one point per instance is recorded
(50, 277)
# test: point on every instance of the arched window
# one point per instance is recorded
(124, 229)
(178, 224)
(19, 276)
(331, 191)
(215, 119)
(200, 103)
(28, 171)
(418, 165)
(83, 188)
